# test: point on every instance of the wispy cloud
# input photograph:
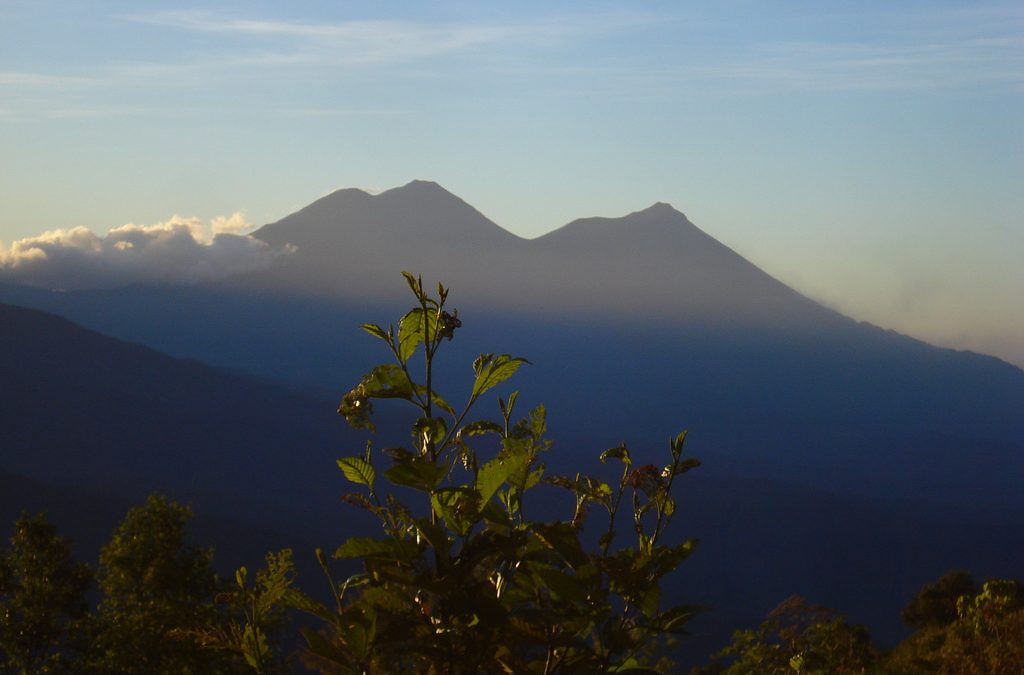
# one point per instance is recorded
(10, 78)
(864, 66)
(936, 49)
(932, 49)
(230, 50)
(388, 41)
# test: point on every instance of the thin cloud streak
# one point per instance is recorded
(980, 47)
(384, 42)
(12, 78)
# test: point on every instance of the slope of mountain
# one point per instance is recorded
(80, 408)
(349, 243)
(102, 416)
(652, 263)
(637, 325)
(656, 264)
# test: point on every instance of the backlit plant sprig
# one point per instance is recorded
(462, 581)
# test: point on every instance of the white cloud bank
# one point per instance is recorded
(178, 251)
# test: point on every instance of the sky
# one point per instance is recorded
(870, 154)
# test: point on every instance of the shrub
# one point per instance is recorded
(461, 579)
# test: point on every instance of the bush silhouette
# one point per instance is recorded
(460, 579)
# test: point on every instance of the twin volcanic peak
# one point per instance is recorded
(420, 212)
(654, 262)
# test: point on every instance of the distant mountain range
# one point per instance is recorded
(841, 460)
(93, 424)
(650, 264)
(642, 322)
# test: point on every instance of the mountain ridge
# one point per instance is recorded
(654, 261)
(643, 335)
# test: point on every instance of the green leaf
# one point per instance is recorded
(663, 560)
(254, 646)
(563, 539)
(666, 505)
(650, 600)
(436, 536)
(491, 476)
(415, 472)
(632, 667)
(506, 408)
(534, 477)
(677, 443)
(415, 284)
(358, 470)
(493, 513)
(326, 649)
(620, 452)
(363, 547)
(459, 506)
(562, 586)
(672, 620)
(681, 468)
(492, 370)
(518, 462)
(436, 399)
(376, 331)
(411, 331)
(387, 381)
(430, 429)
(482, 427)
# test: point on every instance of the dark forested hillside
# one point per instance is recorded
(80, 408)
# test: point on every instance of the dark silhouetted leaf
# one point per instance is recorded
(563, 539)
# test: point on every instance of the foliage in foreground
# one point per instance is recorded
(43, 612)
(155, 590)
(798, 637)
(958, 628)
(462, 579)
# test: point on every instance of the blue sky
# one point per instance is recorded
(869, 154)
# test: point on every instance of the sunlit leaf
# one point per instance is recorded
(414, 284)
(416, 473)
(683, 467)
(459, 506)
(358, 470)
(677, 442)
(493, 370)
(411, 331)
(430, 429)
(387, 381)
(620, 452)
(360, 547)
(376, 331)
(491, 476)
(482, 427)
